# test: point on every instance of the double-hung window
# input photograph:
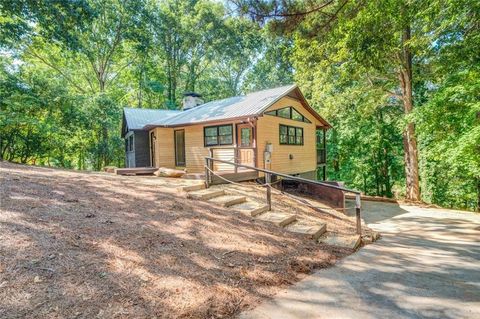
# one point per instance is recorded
(291, 135)
(218, 135)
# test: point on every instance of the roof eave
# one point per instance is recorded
(150, 126)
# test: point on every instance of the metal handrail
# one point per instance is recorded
(268, 173)
(300, 179)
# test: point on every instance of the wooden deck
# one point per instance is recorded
(135, 171)
(240, 176)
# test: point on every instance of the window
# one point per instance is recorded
(289, 112)
(291, 135)
(245, 136)
(218, 135)
(285, 113)
(130, 143)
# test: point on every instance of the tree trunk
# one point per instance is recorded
(409, 140)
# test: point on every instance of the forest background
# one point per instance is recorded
(398, 80)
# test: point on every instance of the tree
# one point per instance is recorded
(448, 118)
(60, 20)
(354, 32)
(242, 43)
(273, 66)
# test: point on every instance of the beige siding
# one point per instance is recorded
(225, 154)
(304, 156)
(195, 152)
(164, 148)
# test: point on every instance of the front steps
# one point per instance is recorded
(242, 204)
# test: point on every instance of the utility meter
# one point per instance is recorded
(269, 147)
(267, 157)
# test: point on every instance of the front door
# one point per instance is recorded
(245, 145)
(179, 148)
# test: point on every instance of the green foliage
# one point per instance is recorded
(356, 60)
(68, 68)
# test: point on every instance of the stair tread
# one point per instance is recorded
(206, 193)
(251, 207)
(278, 218)
(341, 240)
(309, 228)
(228, 200)
(191, 188)
(248, 205)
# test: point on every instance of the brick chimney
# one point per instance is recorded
(191, 100)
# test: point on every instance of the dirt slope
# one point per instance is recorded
(92, 245)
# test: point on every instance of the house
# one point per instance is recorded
(274, 129)
(137, 140)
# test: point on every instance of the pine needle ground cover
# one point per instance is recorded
(86, 245)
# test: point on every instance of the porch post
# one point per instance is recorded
(236, 152)
(268, 180)
(207, 173)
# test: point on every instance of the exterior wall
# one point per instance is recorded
(141, 147)
(195, 152)
(304, 156)
(164, 147)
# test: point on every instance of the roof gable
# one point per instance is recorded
(297, 94)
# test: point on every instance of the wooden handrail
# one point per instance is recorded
(268, 174)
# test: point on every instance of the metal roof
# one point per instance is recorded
(137, 118)
(252, 104)
(234, 107)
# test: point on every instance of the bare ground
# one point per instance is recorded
(92, 245)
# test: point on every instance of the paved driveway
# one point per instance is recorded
(427, 265)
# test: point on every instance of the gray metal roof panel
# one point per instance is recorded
(233, 107)
(138, 118)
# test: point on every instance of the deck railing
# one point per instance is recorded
(268, 179)
(236, 154)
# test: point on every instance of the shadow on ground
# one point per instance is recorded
(425, 266)
(85, 246)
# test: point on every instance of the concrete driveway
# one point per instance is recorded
(427, 265)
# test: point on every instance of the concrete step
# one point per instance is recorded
(341, 240)
(277, 218)
(206, 194)
(228, 200)
(251, 208)
(310, 229)
(191, 188)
